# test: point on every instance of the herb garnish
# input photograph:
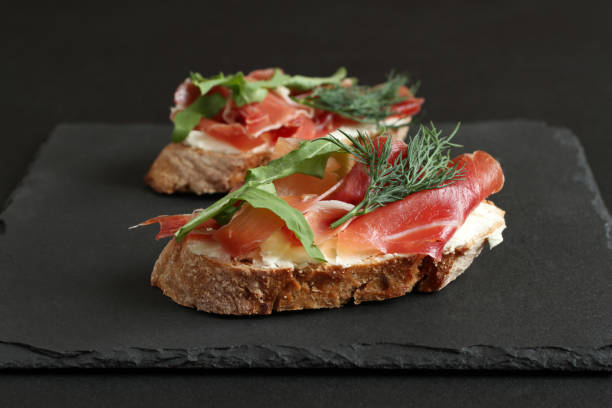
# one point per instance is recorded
(358, 102)
(424, 167)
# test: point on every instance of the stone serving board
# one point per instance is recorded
(75, 289)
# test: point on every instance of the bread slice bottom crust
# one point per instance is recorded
(242, 288)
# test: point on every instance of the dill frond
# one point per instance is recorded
(425, 166)
(360, 103)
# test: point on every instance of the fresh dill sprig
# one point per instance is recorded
(425, 166)
(360, 103)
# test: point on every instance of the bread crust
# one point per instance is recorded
(242, 288)
(187, 169)
(181, 168)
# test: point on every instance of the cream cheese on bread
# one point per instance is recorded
(486, 222)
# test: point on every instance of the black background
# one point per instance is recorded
(120, 62)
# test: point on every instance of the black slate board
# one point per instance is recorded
(75, 289)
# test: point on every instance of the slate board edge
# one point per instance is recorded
(366, 356)
(30, 166)
(369, 356)
(565, 136)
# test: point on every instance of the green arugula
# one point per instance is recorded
(205, 106)
(243, 92)
(310, 159)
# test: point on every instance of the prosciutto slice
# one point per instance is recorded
(233, 134)
(250, 227)
(271, 113)
(423, 222)
(169, 224)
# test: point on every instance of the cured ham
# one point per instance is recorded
(271, 113)
(185, 94)
(247, 230)
(423, 222)
(298, 184)
(408, 107)
(260, 74)
(320, 216)
(169, 224)
(233, 134)
(250, 227)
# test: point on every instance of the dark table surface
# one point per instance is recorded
(119, 63)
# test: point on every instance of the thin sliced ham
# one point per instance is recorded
(250, 227)
(320, 216)
(298, 184)
(423, 222)
(271, 113)
(169, 224)
(234, 134)
(408, 107)
(185, 94)
(260, 74)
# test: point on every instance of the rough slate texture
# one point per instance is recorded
(75, 282)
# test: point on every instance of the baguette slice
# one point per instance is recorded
(181, 168)
(243, 287)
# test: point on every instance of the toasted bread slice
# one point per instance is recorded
(181, 168)
(196, 279)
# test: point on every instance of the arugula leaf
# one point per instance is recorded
(205, 106)
(310, 159)
(304, 83)
(278, 79)
(218, 208)
(244, 92)
(206, 84)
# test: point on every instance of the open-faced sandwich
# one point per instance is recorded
(225, 125)
(333, 220)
